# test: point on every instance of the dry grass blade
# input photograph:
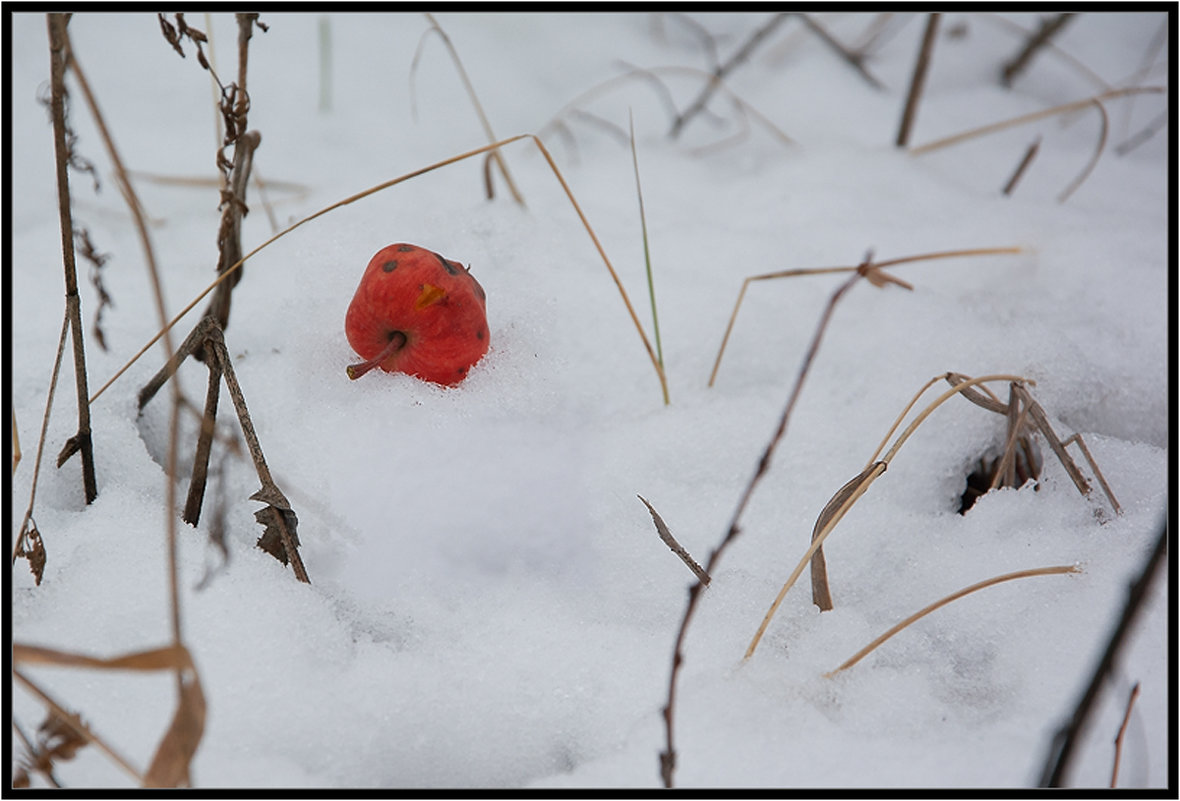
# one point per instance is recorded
(858, 487)
(671, 542)
(467, 85)
(1118, 740)
(833, 510)
(1089, 168)
(852, 491)
(385, 185)
(1023, 119)
(863, 652)
(16, 454)
(873, 272)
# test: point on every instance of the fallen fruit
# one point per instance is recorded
(417, 313)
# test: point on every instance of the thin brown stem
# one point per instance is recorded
(1118, 740)
(397, 341)
(1049, 28)
(134, 205)
(668, 755)
(918, 81)
(1061, 748)
(1029, 155)
(1093, 162)
(81, 441)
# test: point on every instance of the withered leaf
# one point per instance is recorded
(274, 520)
(33, 550)
(170, 765)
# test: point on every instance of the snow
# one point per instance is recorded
(490, 605)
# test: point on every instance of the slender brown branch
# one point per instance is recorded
(856, 58)
(81, 441)
(1029, 155)
(918, 81)
(19, 549)
(1049, 28)
(1118, 740)
(668, 755)
(1061, 748)
(136, 208)
(734, 61)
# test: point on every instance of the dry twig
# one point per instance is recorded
(1118, 740)
(918, 81)
(1049, 28)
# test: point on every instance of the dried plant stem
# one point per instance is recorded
(1049, 28)
(1089, 168)
(1019, 574)
(1061, 748)
(393, 182)
(19, 549)
(918, 81)
(851, 492)
(81, 441)
(1118, 740)
(665, 534)
(494, 155)
(1023, 119)
(668, 756)
(1029, 155)
(158, 295)
(16, 453)
(874, 273)
(75, 723)
(734, 61)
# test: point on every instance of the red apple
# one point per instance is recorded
(417, 313)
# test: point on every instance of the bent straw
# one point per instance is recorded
(861, 483)
(863, 652)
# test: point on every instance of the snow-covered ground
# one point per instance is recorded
(490, 604)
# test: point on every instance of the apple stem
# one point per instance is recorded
(397, 341)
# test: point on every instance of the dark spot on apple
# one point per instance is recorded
(389, 266)
(479, 334)
(478, 288)
(406, 248)
(448, 266)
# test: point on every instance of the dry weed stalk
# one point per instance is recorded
(1023, 119)
(1118, 740)
(1049, 28)
(668, 755)
(185, 674)
(651, 76)
(873, 272)
(393, 182)
(918, 80)
(1024, 415)
(954, 596)
(494, 155)
(81, 442)
(1061, 747)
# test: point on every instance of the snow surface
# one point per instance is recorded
(490, 604)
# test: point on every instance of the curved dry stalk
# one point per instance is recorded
(1089, 168)
(467, 85)
(19, 549)
(852, 491)
(385, 185)
(859, 485)
(651, 74)
(1031, 117)
(873, 273)
(954, 596)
